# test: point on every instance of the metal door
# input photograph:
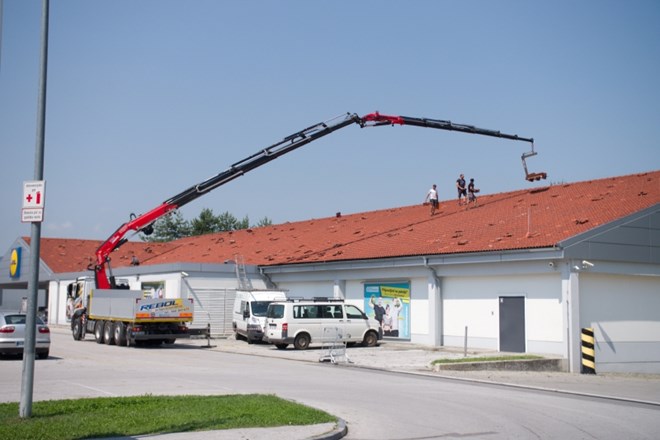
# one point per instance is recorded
(512, 324)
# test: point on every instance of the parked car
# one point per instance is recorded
(320, 320)
(12, 335)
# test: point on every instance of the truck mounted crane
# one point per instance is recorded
(144, 223)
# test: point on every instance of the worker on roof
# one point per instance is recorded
(432, 197)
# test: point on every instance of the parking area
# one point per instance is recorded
(410, 358)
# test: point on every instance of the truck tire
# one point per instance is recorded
(119, 332)
(302, 341)
(281, 346)
(98, 332)
(108, 333)
(370, 339)
(76, 329)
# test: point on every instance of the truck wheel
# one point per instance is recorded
(119, 331)
(370, 339)
(108, 333)
(76, 329)
(301, 342)
(281, 346)
(98, 332)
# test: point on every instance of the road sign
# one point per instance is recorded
(34, 198)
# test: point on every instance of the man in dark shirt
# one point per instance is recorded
(462, 191)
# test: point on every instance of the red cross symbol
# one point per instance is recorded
(29, 198)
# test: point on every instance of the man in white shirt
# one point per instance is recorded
(432, 196)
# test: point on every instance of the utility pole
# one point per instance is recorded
(27, 383)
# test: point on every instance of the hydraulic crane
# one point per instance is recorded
(144, 223)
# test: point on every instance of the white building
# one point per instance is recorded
(523, 271)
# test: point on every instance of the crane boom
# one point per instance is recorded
(292, 142)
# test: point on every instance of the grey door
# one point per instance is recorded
(512, 324)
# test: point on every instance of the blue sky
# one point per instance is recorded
(146, 98)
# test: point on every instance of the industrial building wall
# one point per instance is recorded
(13, 299)
(57, 302)
(474, 302)
(469, 301)
(624, 312)
(308, 289)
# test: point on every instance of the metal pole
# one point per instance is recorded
(25, 407)
(465, 342)
(1, 8)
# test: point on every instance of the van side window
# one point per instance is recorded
(333, 311)
(306, 312)
(353, 312)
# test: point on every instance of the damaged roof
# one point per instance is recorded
(525, 219)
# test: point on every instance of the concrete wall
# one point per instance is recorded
(624, 312)
(474, 302)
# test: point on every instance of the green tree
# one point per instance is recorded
(207, 223)
(171, 226)
(263, 222)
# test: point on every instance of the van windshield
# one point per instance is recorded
(259, 308)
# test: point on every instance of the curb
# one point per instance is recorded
(340, 430)
(554, 365)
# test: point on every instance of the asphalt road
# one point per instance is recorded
(376, 402)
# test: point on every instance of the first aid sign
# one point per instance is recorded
(34, 196)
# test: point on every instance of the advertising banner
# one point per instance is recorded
(389, 304)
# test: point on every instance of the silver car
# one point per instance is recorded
(12, 335)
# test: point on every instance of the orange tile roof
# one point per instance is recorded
(524, 219)
(63, 255)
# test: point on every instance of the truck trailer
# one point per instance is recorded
(126, 317)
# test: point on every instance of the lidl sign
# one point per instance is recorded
(15, 263)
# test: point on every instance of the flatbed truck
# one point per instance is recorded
(127, 317)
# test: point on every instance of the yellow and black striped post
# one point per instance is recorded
(588, 351)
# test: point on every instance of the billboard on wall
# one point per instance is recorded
(389, 304)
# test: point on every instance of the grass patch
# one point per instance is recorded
(140, 415)
(521, 357)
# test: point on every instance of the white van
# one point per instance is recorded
(305, 322)
(250, 311)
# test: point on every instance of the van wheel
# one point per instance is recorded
(370, 339)
(98, 332)
(301, 342)
(281, 346)
(108, 334)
